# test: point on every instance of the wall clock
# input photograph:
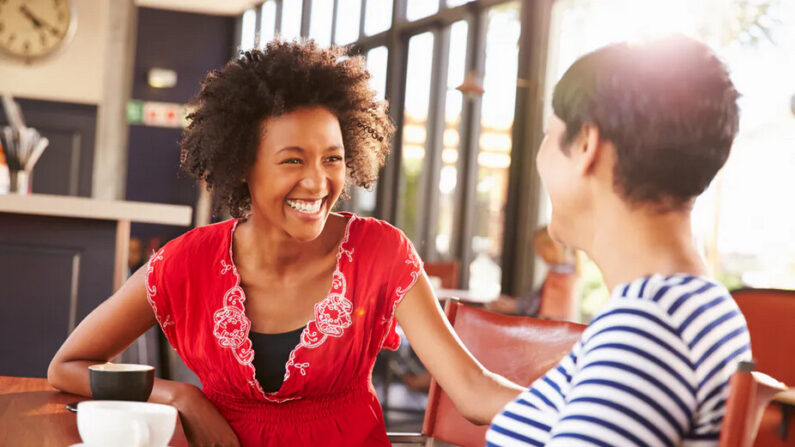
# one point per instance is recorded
(33, 29)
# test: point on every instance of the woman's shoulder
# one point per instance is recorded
(200, 240)
(374, 230)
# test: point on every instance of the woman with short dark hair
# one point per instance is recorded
(638, 132)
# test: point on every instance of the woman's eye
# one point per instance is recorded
(335, 158)
(292, 161)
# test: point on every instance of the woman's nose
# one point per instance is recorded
(314, 178)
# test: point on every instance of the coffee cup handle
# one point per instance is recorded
(141, 430)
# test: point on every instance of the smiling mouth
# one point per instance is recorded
(306, 206)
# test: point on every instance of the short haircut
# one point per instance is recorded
(669, 108)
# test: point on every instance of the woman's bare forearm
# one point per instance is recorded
(72, 377)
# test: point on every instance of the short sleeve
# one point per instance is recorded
(404, 269)
(157, 291)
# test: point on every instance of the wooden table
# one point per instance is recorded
(32, 413)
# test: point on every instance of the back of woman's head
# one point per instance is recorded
(221, 141)
(668, 107)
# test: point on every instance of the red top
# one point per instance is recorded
(327, 397)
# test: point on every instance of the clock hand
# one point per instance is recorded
(37, 21)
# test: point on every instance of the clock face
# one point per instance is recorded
(34, 28)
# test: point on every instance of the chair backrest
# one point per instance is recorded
(448, 272)
(521, 349)
(749, 394)
(770, 315)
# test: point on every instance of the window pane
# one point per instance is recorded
(378, 16)
(291, 19)
(376, 65)
(320, 22)
(417, 9)
(267, 27)
(414, 129)
(348, 14)
(448, 177)
(247, 29)
(364, 200)
(494, 157)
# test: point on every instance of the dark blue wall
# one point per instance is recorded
(192, 45)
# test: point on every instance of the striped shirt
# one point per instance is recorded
(652, 368)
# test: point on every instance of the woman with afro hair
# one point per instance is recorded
(282, 310)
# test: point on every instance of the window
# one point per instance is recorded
(320, 21)
(378, 16)
(348, 15)
(494, 156)
(415, 118)
(417, 9)
(267, 27)
(247, 30)
(291, 19)
(451, 140)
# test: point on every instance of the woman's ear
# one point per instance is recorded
(589, 146)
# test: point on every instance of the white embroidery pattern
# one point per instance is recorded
(401, 291)
(332, 316)
(225, 267)
(151, 290)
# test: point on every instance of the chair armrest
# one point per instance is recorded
(406, 438)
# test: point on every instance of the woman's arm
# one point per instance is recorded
(477, 393)
(105, 333)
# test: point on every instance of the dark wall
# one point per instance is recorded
(192, 45)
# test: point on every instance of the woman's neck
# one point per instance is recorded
(630, 243)
(269, 248)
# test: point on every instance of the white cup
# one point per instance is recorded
(103, 423)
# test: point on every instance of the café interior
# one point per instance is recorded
(90, 182)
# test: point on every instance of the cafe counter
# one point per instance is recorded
(61, 256)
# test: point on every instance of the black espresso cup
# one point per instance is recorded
(121, 381)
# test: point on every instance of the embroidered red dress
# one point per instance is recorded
(327, 397)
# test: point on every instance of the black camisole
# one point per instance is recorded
(271, 352)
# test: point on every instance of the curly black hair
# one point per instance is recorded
(220, 144)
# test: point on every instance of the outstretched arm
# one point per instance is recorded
(105, 333)
(477, 393)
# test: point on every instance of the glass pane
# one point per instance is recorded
(320, 22)
(417, 9)
(248, 30)
(348, 14)
(364, 200)
(448, 177)
(267, 27)
(378, 16)
(414, 124)
(451, 3)
(291, 19)
(376, 65)
(494, 157)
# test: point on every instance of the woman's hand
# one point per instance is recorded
(202, 423)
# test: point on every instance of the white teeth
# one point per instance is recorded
(308, 207)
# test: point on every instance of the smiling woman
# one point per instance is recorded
(282, 310)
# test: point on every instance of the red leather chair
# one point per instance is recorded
(750, 392)
(448, 272)
(771, 322)
(518, 348)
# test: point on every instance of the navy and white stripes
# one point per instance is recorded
(651, 369)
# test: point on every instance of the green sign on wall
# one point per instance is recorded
(135, 111)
